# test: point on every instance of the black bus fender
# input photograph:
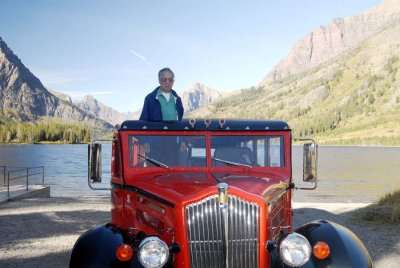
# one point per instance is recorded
(346, 249)
(97, 248)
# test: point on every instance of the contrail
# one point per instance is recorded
(143, 58)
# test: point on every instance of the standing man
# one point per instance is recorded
(163, 104)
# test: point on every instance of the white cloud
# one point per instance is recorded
(143, 58)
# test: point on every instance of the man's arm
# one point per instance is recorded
(145, 111)
(179, 108)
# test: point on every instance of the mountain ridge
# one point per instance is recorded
(353, 98)
(326, 42)
(193, 98)
(24, 98)
(90, 105)
(199, 95)
(346, 95)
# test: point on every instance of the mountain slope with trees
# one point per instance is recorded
(23, 98)
(326, 42)
(354, 98)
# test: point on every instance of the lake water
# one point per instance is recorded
(351, 173)
(346, 174)
(65, 166)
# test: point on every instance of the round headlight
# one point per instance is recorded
(295, 250)
(153, 252)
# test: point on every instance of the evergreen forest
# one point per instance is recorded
(44, 132)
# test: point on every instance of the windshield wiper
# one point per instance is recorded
(153, 161)
(232, 163)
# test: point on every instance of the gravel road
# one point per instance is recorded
(41, 232)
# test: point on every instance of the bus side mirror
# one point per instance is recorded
(310, 152)
(94, 162)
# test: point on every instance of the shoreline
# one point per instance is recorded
(293, 144)
(45, 229)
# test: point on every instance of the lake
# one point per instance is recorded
(351, 173)
(65, 165)
(346, 174)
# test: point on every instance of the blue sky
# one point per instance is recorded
(114, 49)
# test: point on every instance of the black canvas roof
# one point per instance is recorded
(209, 124)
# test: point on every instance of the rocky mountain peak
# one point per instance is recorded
(23, 97)
(198, 96)
(92, 106)
(60, 95)
(89, 98)
(21, 93)
(91, 103)
(326, 42)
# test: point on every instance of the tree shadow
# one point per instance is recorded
(59, 259)
(42, 232)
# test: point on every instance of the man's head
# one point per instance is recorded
(166, 78)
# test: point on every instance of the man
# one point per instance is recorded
(163, 104)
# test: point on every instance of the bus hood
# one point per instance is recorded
(178, 187)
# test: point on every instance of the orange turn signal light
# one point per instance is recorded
(124, 252)
(321, 250)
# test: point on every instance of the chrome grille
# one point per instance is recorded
(223, 237)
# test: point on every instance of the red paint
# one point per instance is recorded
(181, 186)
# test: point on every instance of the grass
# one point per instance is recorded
(386, 210)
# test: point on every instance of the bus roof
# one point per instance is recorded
(207, 124)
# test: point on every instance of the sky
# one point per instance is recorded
(113, 49)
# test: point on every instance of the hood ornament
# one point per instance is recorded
(224, 215)
(223, 194)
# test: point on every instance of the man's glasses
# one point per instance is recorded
(167, 79)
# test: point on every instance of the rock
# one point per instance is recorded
(326, 42)
(198, 96)
(24, 98)
(91, 106)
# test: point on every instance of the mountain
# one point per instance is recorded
(91, 106)
(193, 98)
(60, 95)
(326, 42)
(352, 98)
(197, 96)
(24, 98)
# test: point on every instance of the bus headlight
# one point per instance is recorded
(295, 250)
(153, 252)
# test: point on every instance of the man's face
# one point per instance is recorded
(166, 81)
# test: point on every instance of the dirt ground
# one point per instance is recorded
(41, 232)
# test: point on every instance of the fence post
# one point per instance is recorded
(42, 175)
(8, 184)
(27, 179)
(4, 175)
